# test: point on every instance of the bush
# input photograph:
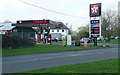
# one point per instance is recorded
(15, 42)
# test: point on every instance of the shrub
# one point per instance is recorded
(15, 42)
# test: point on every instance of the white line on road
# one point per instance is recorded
(81, 54)
(88, 54)
(47, 58)
(20, 61)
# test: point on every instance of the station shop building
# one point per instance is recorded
(38, 30)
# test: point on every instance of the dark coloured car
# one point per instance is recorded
(112, 37)
(53, 39)
(77, 43)
(118, 37)
(60, 39)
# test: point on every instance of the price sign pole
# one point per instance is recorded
(95, 40)
(95, 22)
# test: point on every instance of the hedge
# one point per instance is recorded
(15, 42)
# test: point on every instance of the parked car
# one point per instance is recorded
(112, 37)
(117, 37)
(53, 39)
(60, 39)
(98, 39)
(77, 43)
(73, 42)
(85, 39)
(56, 39)
(102, 38)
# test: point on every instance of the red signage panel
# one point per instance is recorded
(28, 22)
(95, 10)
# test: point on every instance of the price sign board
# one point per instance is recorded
(95, 20)
(95, 27)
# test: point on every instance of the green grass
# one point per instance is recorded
(112, 41)
(42, 49)
(104, 66)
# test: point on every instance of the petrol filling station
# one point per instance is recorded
(41, 27)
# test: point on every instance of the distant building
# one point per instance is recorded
(60, 29)
(56, 31)
(6, 28)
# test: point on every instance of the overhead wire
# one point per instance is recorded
(50, 10)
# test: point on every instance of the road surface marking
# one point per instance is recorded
(19, 61)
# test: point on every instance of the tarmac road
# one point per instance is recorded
(12, 64)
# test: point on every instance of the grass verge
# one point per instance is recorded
(43, 49)
(104, 66)
(112, 41)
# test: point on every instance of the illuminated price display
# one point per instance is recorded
(95, 30)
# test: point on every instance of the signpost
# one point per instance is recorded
(95, 22)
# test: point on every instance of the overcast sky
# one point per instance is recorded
(14, 10)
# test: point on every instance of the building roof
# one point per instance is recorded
(6, 26)
(60, 26)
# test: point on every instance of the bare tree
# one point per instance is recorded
(109, 24)
(83, 31)
(119, 18)
(73, 33)
(7, 21)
